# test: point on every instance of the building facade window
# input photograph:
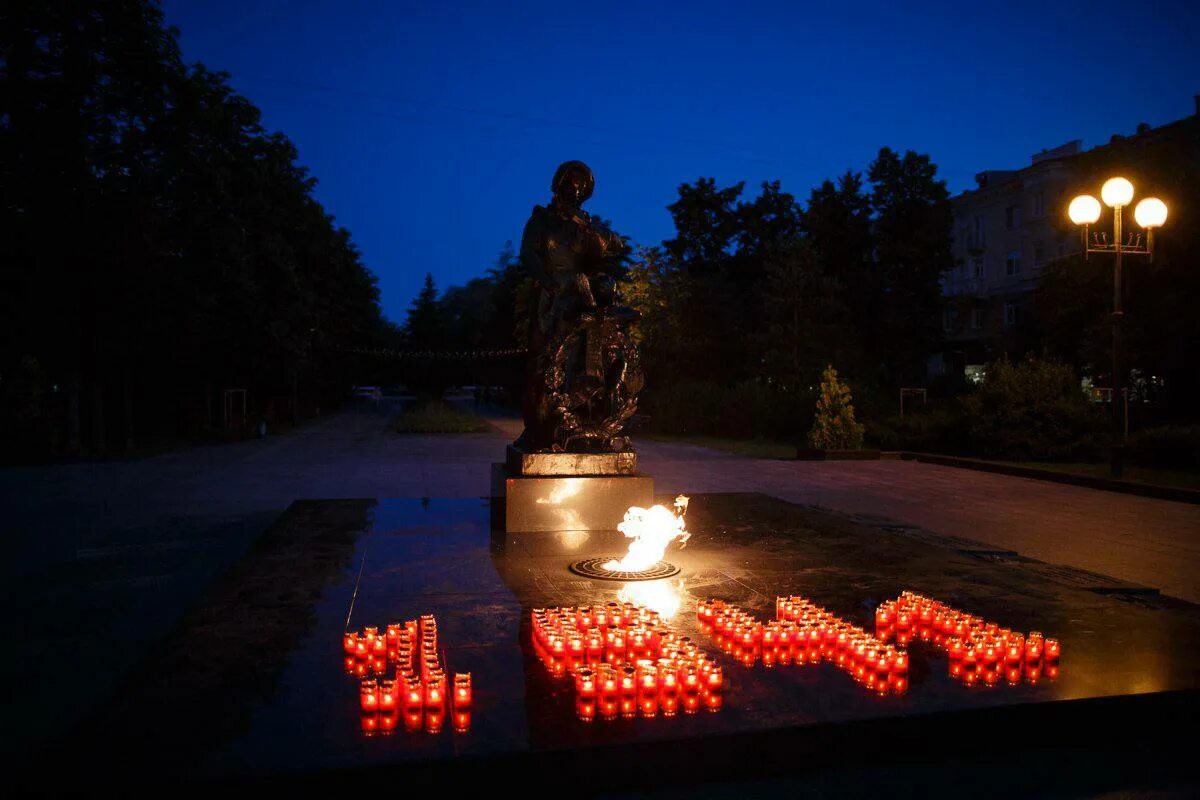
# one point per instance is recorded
(978, 239)
(979, 268)
(976, 319)
(1012, 217)
(1012, 263)
(1039, 252)
(1010, 314)
(1039, 203)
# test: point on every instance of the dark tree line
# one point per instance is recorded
(753, 298)
(160, 246)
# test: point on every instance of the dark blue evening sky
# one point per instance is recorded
(434, 127)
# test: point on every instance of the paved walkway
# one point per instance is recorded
(103, 557)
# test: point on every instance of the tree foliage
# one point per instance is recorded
(834, 426)
(161, 245)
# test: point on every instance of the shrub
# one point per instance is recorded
(1035, 411)
(834, 426)
(938, 430)
(1167, 447)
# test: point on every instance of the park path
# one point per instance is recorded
(1141, 540)
(103, 557)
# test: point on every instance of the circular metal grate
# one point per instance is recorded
(591, 568)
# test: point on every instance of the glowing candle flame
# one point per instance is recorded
(651, 529)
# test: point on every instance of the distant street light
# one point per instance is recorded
(1150, 213)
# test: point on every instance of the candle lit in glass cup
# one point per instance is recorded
(463, 695)
(369, 695)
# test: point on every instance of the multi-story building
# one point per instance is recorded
(1005, 232)
(1009, 228)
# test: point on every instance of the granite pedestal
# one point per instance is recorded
(544, 492)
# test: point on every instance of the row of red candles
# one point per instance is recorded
(623, 659)
(803, 631)
(963, 636)
(411, 677)
(978, 650)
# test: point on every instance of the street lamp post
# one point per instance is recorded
(1150, 213)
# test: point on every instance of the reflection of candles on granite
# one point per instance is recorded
(435, 718)
(462, 721)
(585, 708)
(462, 690)
(388, 722)
(412, 719)
(369, 723)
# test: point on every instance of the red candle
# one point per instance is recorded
(350, 642)
(462, 690)
(368, 695)
(435, 691)
(393, 634)
(414, 694)
(716, 678)
(1051, 649)
(362, 646)
(388, 699)
(883, 618)
(585, 683)
(1033, 647)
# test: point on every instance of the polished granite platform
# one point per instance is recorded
(254, 685)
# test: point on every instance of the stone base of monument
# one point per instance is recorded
(541, 492)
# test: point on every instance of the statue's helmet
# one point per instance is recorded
(573, 181)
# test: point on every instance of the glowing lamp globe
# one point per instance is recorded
(1116, 192)
(1150, 213)
(1084, 210)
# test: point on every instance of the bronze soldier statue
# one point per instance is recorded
(584, 373)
